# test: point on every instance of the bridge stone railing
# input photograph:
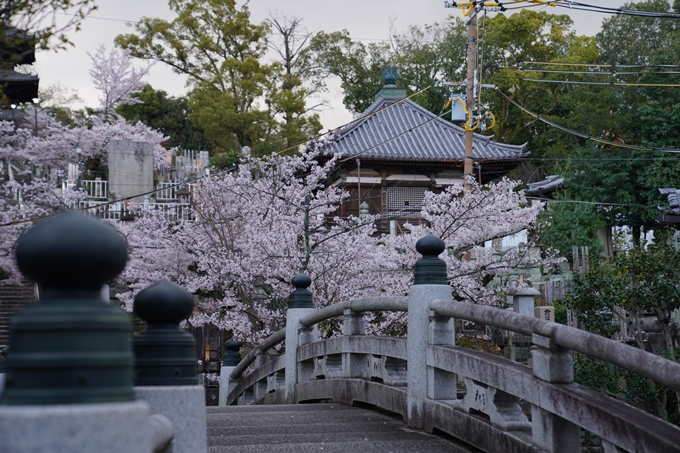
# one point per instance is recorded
(486, 401)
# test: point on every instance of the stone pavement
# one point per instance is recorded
(324, 428)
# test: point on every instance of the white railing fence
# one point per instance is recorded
(120, 210)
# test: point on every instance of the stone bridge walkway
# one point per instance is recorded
(324, 428)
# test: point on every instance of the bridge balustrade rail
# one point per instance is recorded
(484, 400)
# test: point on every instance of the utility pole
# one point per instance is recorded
(474, 117)
(471, 88)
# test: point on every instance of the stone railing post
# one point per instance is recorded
(353, 365)
(69, 381)
(231, 358)
(523, 302)
(430, 283)
(2, 369)
(260, 388)
(441, 385)
(301, 304)
(552, 363)
(165, 364)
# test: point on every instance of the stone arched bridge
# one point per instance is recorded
(479, 400)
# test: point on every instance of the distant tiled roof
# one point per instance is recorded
(13, 76)
(673, 197)
(407, 132)
(13, 33)
(548, 185)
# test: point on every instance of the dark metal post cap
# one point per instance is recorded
(232, 357)
(71, 250)
(430, 270)
(164, 353)
(70, 347)
(164, 303)
(301, 297)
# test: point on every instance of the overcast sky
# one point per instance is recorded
(365, 19)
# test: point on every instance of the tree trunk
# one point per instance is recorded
(637, 231)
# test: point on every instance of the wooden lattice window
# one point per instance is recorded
(405, 201)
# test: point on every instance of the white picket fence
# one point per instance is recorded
(120, 210)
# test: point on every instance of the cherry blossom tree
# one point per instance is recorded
(24, 198)
(467, 220)
(259, 226)
(254, 230)
(35, 152)
(116, 78)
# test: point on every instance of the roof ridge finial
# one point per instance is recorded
(390, 75)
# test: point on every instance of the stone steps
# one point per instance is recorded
(325, 428)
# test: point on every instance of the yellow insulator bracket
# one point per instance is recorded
(544, 2)
(493, 120)
(468, 124)
(461, 103)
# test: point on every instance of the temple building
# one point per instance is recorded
(398, 150)
(16, 48)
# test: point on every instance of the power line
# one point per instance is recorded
(595, 203)
(395, 137)
(600, 159)
(614, 65)
(581, 134)
(620, 11)
(132, 197)
(623, 73)
(354, 121)
(585, 82)
(137, 22)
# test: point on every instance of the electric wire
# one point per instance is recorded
(354, 121)
(395, 137)
(608, 10)
(138, 22)
(581, 134)
(596, 203)
(604, 65)
(227, 170)
(586, 82)
(623, 73)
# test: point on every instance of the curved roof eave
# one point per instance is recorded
(409, 132)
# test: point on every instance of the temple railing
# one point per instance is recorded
(486, 401)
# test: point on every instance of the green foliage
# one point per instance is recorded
(566, 225)
(640, 115)
(639, 282)
(358, 66)
(478, 344)
(422, 57)
(642, 281)
(626, 188)
(594, 373)
(223, 160)
(168, 115)
(236, 99)
(626, 386)
(38, 18)
(560, 313)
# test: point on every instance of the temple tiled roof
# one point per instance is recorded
(407, 132)
(14, 76)
(673, 197)
(547, 186)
